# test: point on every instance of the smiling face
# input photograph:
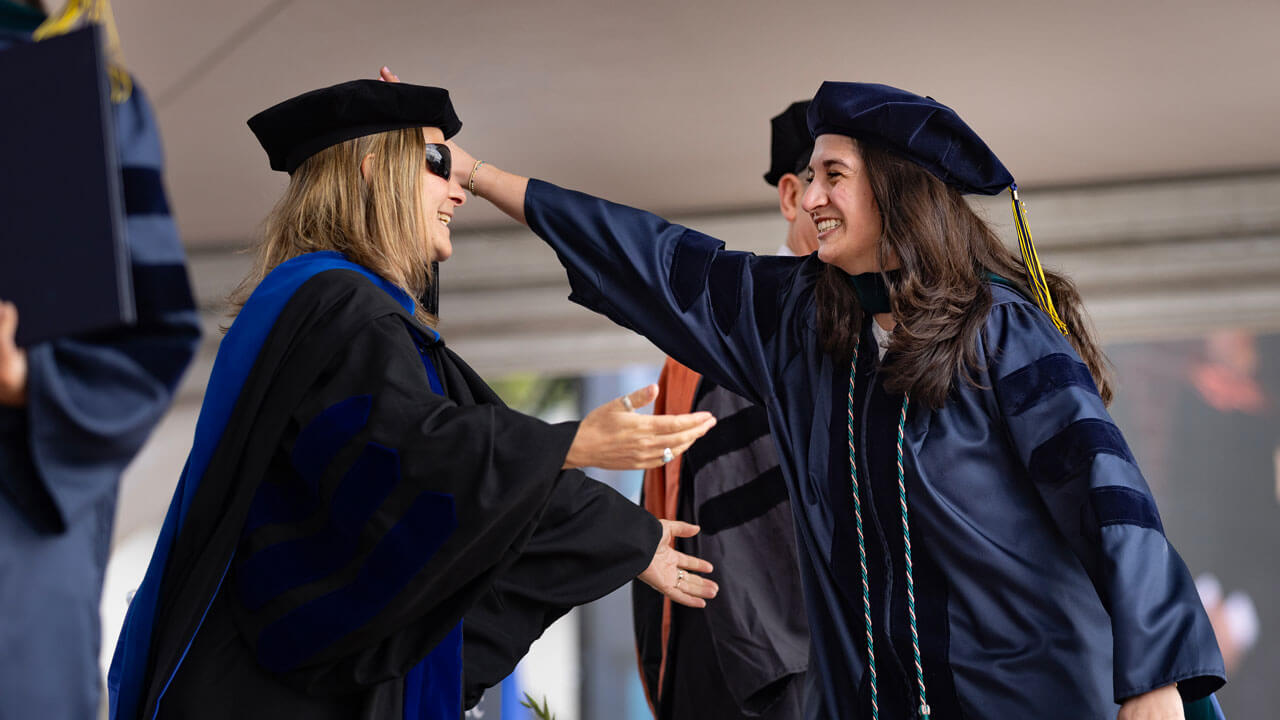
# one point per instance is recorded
(843, 207)
(440, 198)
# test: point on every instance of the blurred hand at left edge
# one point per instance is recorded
(13, 359)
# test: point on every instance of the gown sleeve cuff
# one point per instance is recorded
(1192, 685)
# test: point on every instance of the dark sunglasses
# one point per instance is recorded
(439, 160)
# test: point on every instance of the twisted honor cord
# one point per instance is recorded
(862, 549)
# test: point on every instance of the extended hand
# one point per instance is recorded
(13, 359)
(1160, 704)
(612, 437)
(672, 572)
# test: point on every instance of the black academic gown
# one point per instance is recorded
(351, 517)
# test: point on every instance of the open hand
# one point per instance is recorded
(672, 572)
(13, 359)
(1160, 704)
(612, 437)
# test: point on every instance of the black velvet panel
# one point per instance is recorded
(1070, 451)
(744, 503)
(732, 433)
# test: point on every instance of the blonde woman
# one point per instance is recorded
(355, 490)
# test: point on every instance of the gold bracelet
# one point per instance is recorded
(471, 182)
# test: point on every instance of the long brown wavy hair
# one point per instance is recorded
(940, 297)
(328, 205)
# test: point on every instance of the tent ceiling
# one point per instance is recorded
(665, 104)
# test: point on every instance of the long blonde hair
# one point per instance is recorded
(328, 205)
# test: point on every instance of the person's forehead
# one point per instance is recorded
(830, 143)
(433, 134)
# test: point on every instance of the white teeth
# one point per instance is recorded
(826, 225)
(443, 218)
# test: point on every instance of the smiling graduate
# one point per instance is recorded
(975, 537)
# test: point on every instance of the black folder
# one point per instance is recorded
(63, 258)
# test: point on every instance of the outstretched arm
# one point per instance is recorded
(728, 315)
(504, 189)
(732, 316)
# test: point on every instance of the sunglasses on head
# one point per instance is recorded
(439, 160)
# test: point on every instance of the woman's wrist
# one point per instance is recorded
(471, 179)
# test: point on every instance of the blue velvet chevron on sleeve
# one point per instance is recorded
(1078, 461)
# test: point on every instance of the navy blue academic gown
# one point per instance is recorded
(91, 403)
(1044, 584)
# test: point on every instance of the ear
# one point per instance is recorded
(790, 190)
(366, 167)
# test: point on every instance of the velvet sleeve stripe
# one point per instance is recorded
(690, 265)
(731, 434)
(287, 643)
(1118, 505)
(1071, 450)
(1026, 387)
(279, 502)
(159, 290)
(724, 285)
(766, 297)
(163, 362)
(324, 436)
(744, 503)
(143, 191)
(278, 568)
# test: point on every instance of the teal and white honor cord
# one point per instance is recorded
(862, 551)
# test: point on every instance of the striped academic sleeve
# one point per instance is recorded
(94, 400)
(1081, 466)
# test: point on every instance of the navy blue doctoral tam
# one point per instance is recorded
(922, 129)
(302, 126)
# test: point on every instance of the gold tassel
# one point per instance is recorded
(1035, 273)
(79, 13)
